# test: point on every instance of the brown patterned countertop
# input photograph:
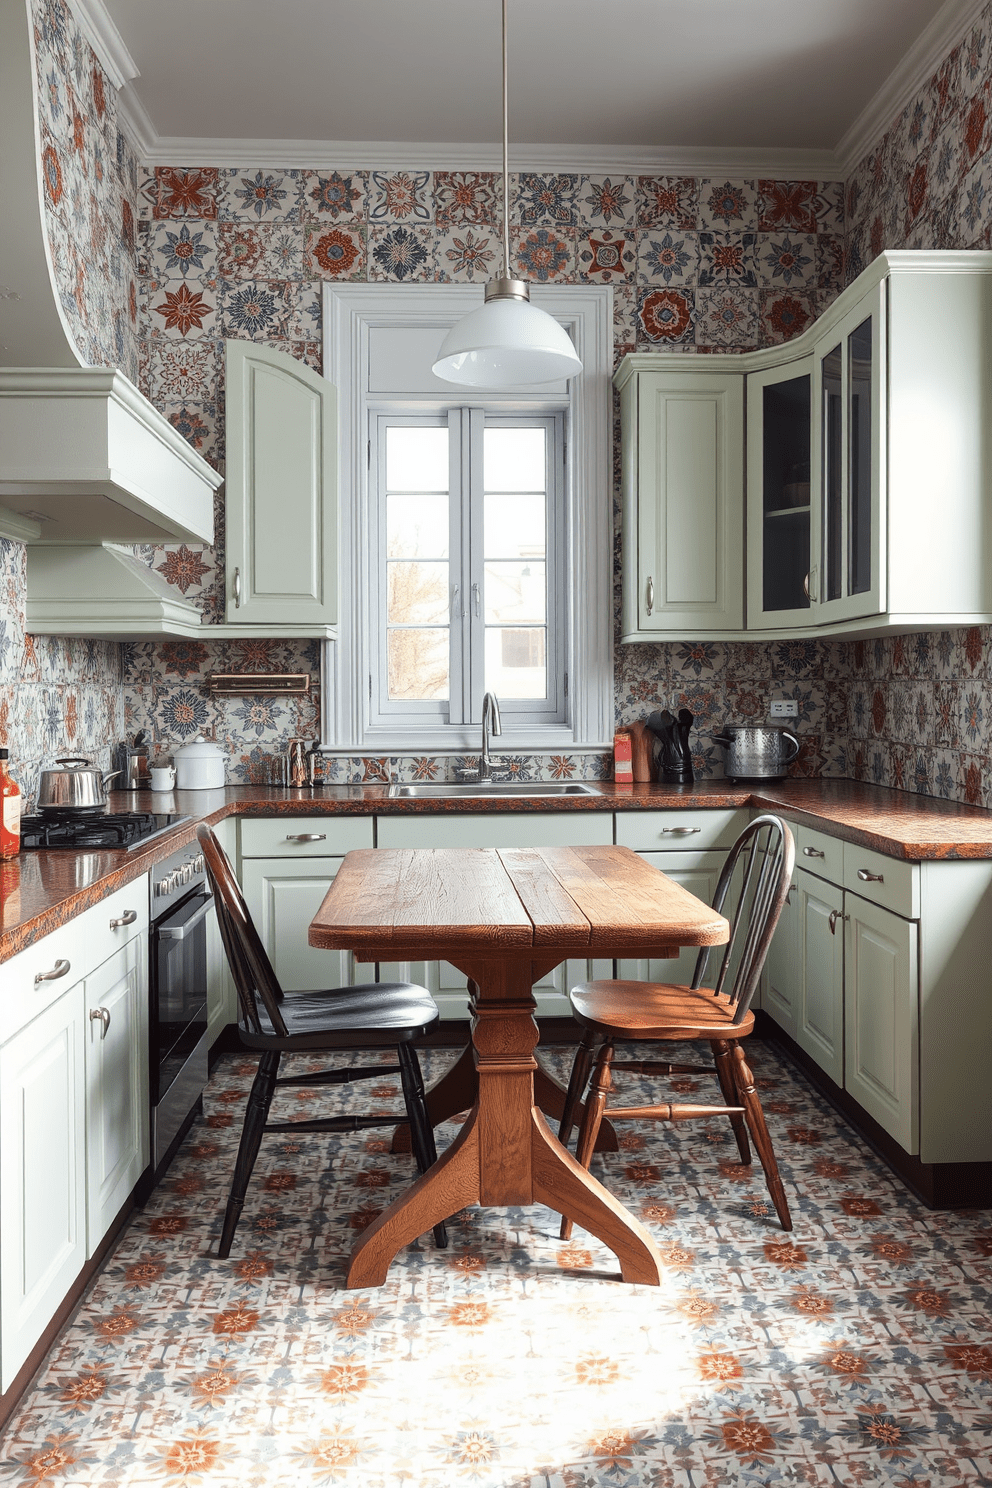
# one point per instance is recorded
(43, 889)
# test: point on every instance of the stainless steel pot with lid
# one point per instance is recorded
(78, 786)
(756, 753)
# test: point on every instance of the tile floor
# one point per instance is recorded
(856, 1350)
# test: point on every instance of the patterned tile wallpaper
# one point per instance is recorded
(697, 265)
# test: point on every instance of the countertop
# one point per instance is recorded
(42, 889)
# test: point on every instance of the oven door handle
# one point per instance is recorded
(179, 932)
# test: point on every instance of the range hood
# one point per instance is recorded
(84, 457)
(102, 591)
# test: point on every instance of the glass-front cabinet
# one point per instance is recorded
(847, 573)
(779, 495)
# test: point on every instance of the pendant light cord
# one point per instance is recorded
(506, 160)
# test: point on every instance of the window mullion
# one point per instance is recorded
(458, 573)
(475, 505)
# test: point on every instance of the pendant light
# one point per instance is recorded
(507, 341)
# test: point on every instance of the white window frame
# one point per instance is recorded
(467, 426)
(351, 313)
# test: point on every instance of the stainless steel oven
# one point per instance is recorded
(180, 904)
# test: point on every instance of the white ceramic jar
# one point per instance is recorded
(199, 766)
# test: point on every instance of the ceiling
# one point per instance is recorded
(647, 74)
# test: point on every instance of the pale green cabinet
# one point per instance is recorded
(882, 1018)
(283, 897)
(281, 494)
(819, 1014)
(683, 498)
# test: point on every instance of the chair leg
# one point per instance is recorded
(581, 1065)
(256, 1115)
(599, 1089)
(722, 1061)
(421, 1131)
(759, 1132)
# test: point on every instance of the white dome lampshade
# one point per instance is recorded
(507, 342)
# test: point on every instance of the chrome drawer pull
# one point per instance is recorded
(649, 596)
(58, 970)
(679, 831)
(127, 918)
(308, 837)
(867, 877)
(832, 919)
(813, 852)
(103, 1015)
(236, 589)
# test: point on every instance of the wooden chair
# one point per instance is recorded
(752, 889)
(373, 1016)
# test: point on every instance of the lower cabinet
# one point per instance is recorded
(74, 1118)
(282, 897)
(698, 872)
(820, 1011)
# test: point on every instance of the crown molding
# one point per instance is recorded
(107, 42)
(392, 155)
(948, 27)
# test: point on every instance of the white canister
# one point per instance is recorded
(199, 766)
(163, 777)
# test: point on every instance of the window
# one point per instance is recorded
(467, 572)
(476, 533)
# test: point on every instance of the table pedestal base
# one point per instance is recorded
(505, 1152)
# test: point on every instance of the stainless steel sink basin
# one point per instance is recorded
(483, 789)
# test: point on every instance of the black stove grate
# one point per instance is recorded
(110, 829)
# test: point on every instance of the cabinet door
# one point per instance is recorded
(281, 490)
(881, 1015)
(782, 978)
(115, 1029)
(687, 574)
(778, 495)
(848, 575)
(697, 872)
(42, 1174)
(283, 895)
(820, 1012)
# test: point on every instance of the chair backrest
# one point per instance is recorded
(752, 889)
(251, 968)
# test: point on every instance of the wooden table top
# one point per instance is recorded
(509, 902)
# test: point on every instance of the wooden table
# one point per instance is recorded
(505, 917)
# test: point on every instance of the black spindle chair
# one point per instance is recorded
(751, 891)
(372, 1016)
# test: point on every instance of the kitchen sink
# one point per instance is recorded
(483, 789)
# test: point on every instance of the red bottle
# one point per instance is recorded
(10, 805)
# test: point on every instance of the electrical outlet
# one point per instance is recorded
(784, 708)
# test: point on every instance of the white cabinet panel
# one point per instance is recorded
(42, 1167)
(115, 1030)
(281, 490)
(882, 1018)
(282, 898)
(819, 1027)
(697, 872)
(782, 978)
(514, 829)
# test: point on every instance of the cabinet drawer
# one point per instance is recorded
(676, 831)
(539, 829)
(304, 836)
(21, 998)
(103, 935)
(889, 882)
(820, 854)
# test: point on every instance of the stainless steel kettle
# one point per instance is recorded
(79, 786)
(756, 753)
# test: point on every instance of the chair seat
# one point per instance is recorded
(366, 1015)
(657, 1010)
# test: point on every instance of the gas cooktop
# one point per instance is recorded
(121, 829)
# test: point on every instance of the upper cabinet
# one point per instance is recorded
(683, 464)
(282, 518)
(868, 483)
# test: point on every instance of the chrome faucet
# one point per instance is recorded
(490, 726)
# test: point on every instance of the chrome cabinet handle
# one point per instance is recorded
(649, 595)
(127, 918)
(806, 586)
(236, 588)
(813, 852)
(678, 831)
(308, 837)
(58, 970)
(101, 1015)
(832, 919)
(867, 877)
(477, 598)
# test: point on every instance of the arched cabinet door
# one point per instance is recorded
(282, 510)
